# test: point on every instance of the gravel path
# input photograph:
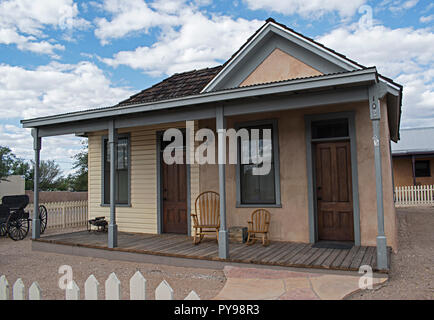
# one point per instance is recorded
(17, 260)
(412, 274)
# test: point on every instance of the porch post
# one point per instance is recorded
(375, 113)
(223, 233)
(112, 228)
(36, 223)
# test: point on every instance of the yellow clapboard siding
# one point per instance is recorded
(142, 215)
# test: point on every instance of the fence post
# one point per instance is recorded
(164, 291)
(4, 288)
(72, 291)
(91, 288)
(18, 290)
(112, 287)
(137, 287)
(35, 292)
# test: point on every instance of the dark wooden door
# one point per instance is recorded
(174, 178)
(334, 191)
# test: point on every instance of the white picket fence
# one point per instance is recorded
(408, 196)
(65, 214)
(91, 289)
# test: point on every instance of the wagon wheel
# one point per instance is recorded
(3, 229)
(17, 226)
(43, 216)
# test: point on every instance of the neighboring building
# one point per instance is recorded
(321, 108)
(13, 185)
(413, 157)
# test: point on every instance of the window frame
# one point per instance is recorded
(429, 169)
(103, 141)
(276, 160)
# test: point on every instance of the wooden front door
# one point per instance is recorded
(334, 191)
(174, 193)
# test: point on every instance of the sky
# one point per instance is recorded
(59, 56)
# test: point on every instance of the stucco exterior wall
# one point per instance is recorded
(290, 223)
(403, 172)
(279, 66)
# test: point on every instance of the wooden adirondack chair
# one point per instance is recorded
(206, 217)
(258, 227)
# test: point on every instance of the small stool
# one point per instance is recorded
(98, 222)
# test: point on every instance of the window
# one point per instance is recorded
(326, 129)
(422, 168)
(258, 190)
(122, 171)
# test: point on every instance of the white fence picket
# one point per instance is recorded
(18, 290)
(4, 288)
(91, 287)
(408, 196)
(192, 296)
(137, 287)
(35, 292)
(72, 291)
(164, 291)
(112, 287)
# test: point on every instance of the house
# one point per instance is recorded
(331, 122)
(413, 157)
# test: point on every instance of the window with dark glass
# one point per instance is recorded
(122, 159)
(422, 168)
(257, 189)
(326, 129)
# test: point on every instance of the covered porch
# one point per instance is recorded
(338, 89)
(179, 250)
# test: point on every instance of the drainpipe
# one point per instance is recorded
(223, 233)
(413, 168)
(112, 228)
(36, 222)
(375, 114)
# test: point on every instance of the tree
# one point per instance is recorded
(78, 180)
(7, 161)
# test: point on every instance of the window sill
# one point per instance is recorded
(118, 205)
(258, 205)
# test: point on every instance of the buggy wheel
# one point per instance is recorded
(43, 217)
(17, 227)
(3, 229)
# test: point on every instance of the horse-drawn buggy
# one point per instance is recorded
(14, 220)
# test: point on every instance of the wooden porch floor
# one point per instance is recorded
(285, 254)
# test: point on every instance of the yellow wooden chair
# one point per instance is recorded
(258, 227)
(206, 217)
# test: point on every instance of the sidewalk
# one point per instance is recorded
(269, 284)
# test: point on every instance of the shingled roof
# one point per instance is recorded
(178, 85)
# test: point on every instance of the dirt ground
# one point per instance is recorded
(17, 260)
(411, 277)
(412, 270)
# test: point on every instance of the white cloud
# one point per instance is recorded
(132, 15)
(47, 90)
(22, 22)
(399, 6)
(404, 54)
(55, 88)
(61, 148)
(426, 19)
(307, 9)
(199, 42)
